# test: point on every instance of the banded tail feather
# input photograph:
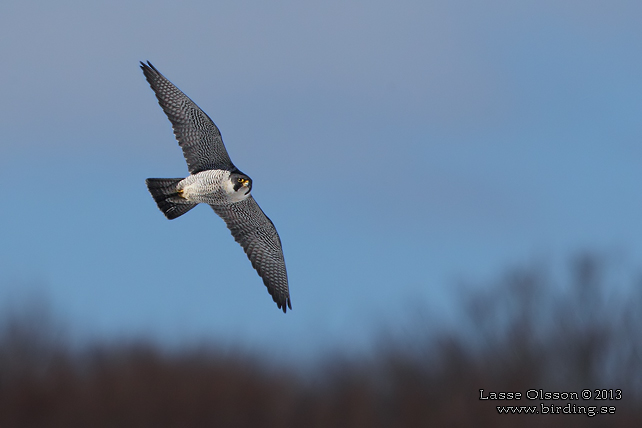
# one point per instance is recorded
(169, 201)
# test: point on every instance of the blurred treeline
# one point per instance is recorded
(524, 331)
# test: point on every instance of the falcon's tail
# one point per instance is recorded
(168, 199)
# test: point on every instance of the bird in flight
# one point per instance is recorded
(214, 180)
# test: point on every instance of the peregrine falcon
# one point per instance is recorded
(214, 180)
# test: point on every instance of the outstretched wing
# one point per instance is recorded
(257, 235)
(197, 135)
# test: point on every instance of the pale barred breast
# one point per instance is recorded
(212, 187)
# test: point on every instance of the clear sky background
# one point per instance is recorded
(397, 146)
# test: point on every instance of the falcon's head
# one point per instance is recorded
(241, 183)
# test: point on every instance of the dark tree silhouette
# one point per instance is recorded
(523, 332)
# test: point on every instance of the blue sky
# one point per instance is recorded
(397, 146)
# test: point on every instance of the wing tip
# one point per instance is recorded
(146, 66)
(283, 305)
(149, 70)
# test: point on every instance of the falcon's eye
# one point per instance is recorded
(241, 180)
